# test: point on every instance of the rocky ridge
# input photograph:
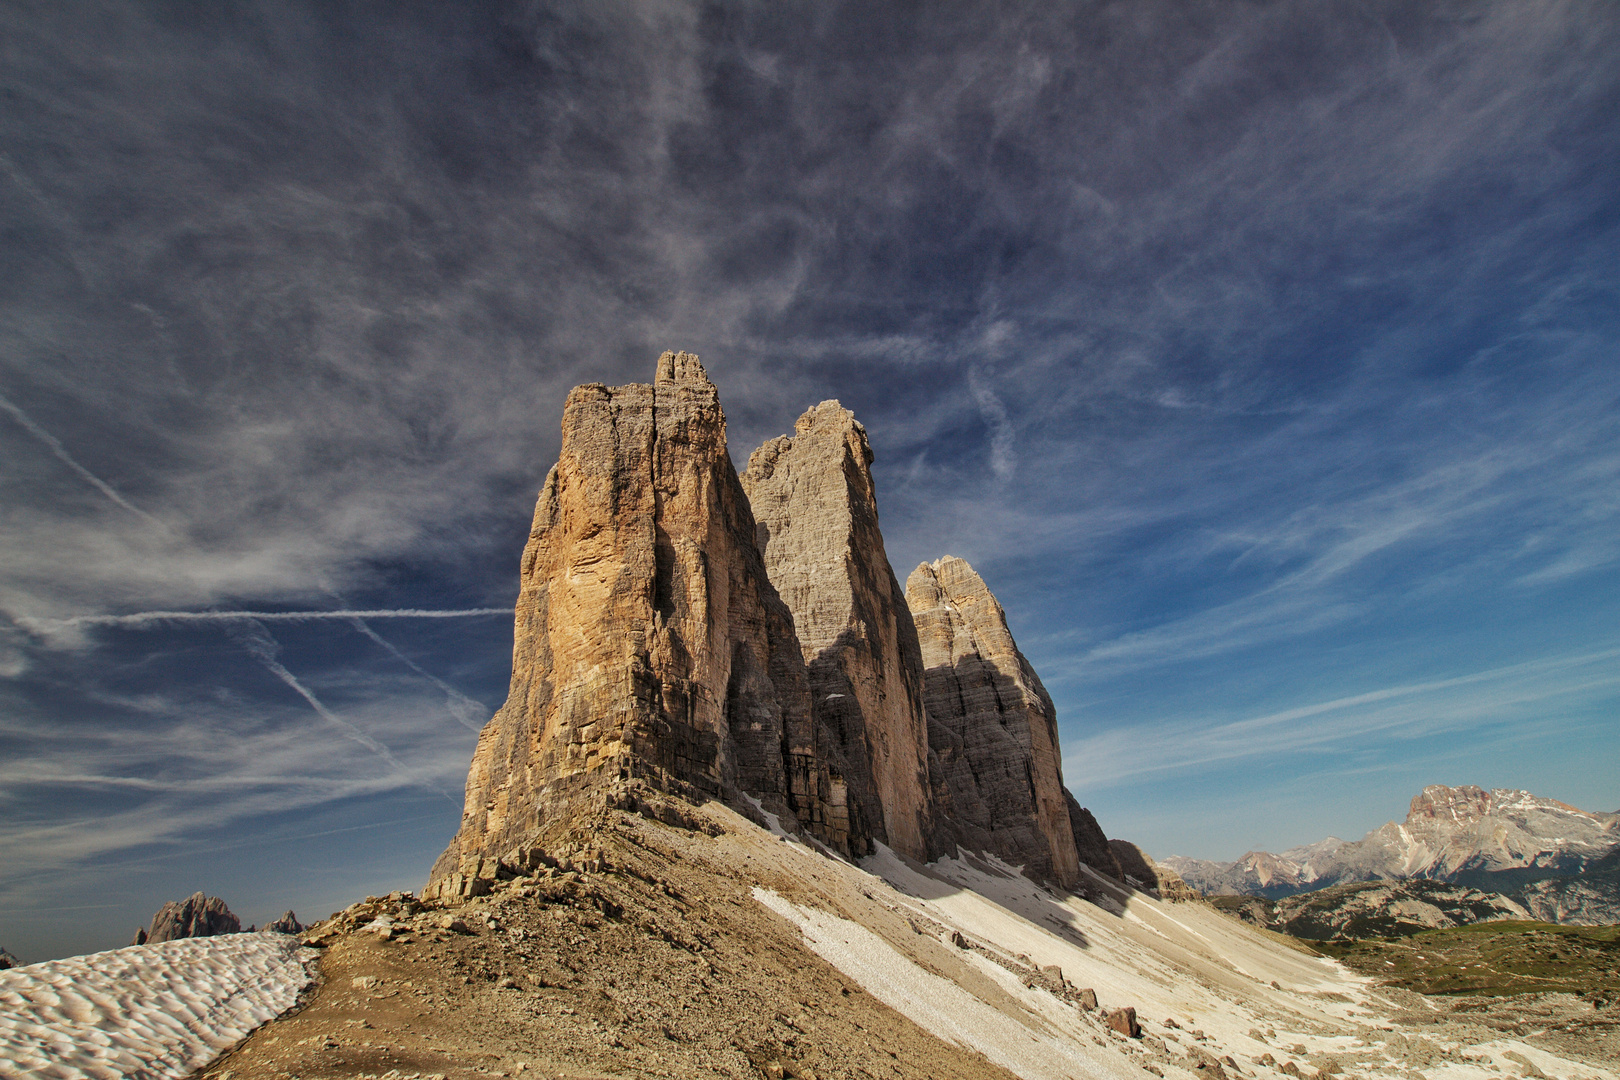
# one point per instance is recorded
(683, 633)
(720, 948)
(195, 916)
(1591, 897)
(1373, 909)
(1544, 855)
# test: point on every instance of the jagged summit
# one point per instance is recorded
(683, 631)
(1536, 850)
(676, 367)
(815, 505)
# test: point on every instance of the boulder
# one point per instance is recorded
(815, 507)
(1124, 1021)
(195, 916)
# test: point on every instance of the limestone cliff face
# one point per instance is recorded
(1090, 842)
(650, 646)
(1139, 869)
(994, 730)
(816, 508)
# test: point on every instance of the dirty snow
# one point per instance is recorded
(939, 1006)
(1201, 982)
(146, 1012)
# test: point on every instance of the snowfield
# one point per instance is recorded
(148, 1012)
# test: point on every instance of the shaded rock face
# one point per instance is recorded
(1138, 868)
(816, 510)
(650, 647)
(1091, 845)
(7, 960)
(287, 924)
(1590, 898)
(992, 728)
(195, 916)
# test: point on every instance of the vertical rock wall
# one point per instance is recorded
(816, 509)
(649, 643)
(653, 649)
(1091, 844)
(993, 731)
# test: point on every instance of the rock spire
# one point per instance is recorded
(650, 645)
(993, 727)
(195, 916)
(686, 631)
(815, 506)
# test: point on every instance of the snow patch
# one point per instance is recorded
(147, 1012)
(937, 1005)
(772, 822)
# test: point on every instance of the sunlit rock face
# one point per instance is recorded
(816, 508)
(683, 631)
(993, 728)
(1557, 861)
(650, 647)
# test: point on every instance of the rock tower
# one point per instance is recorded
(994, 728)
(683, 631)
(816, 510)
(649, 645)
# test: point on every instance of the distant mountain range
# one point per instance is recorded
(1561, 863)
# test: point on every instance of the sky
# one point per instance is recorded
(1264, 357)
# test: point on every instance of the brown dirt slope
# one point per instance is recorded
(690, 942)
(644, 954)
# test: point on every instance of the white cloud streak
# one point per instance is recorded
(55, 446)
(144, 619)
(468, 713)
(258, 643)
(1409, 711)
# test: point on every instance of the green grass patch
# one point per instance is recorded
(1492, 959)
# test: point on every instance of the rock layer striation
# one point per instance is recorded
(816, 510)
(650, 647)
(992, 725)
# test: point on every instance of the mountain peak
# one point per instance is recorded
(1462, 834)
(680, 367)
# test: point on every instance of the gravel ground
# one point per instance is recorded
(731, 950)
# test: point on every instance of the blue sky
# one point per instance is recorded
(1262, 357)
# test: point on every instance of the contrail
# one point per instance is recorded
(263, 648)
(147, 618)
(468, 713)
(66, 458)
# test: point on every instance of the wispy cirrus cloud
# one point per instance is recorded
(198, 760)
(1260, 339)
(1507, 696)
